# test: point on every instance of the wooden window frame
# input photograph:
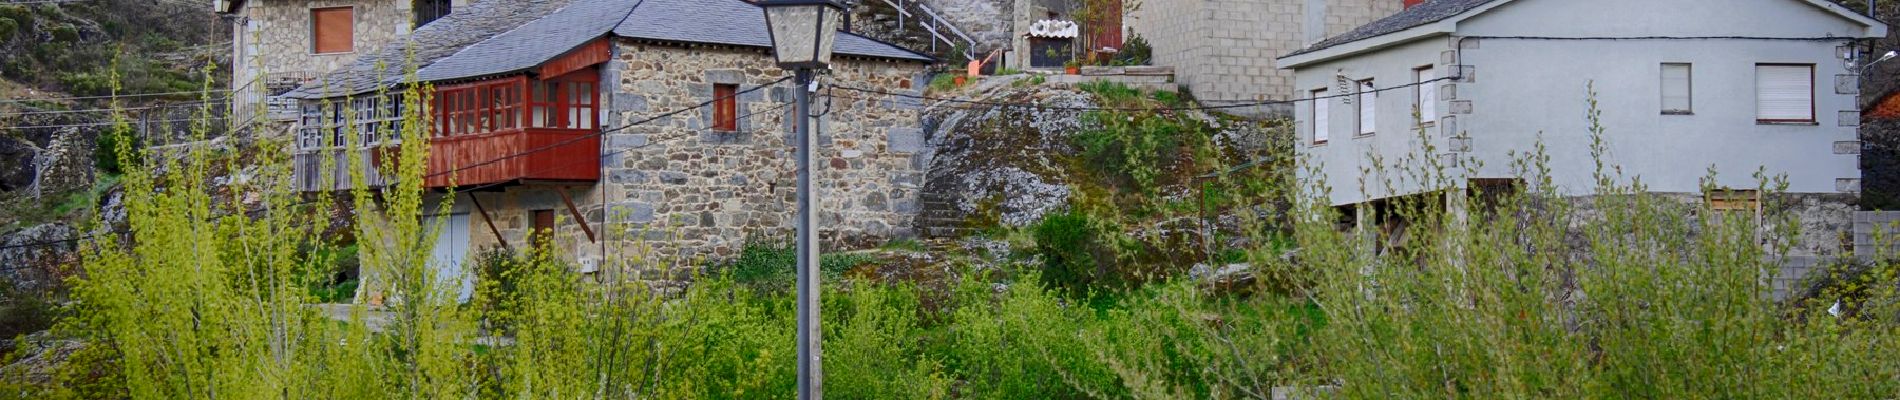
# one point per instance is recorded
(725, 116)
(479, 108)
(316, 33)
(1813, 112)
(559, 108)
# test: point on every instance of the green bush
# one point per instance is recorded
(116, 148)
(1135, 51)
(7, 28)
(65, 33)
(23, 313)
(1077, 259)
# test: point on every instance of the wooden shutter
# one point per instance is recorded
(332, 30)
(543, 227)
(1676, 89)
(1368, 107)
(1322, 116)
(1427, 94)
(1784, 93)
(725, 108)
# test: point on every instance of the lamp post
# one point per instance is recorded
(803, 32)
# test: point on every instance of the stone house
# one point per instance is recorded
(1683, 86)
(616, 127)
(278, 45)
(1223, 50)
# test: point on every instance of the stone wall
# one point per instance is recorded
(1223, 50)
(674, 189)
(273, 38)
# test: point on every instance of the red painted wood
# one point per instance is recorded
(587, 55)
(565, 155)
(485, 133)
(1106, 30)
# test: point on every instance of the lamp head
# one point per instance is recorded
(803, 31)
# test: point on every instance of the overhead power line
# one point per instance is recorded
(1074, 108)
(651, 143)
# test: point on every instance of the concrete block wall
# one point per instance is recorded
(1223, 50)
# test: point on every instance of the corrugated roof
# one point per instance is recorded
(1429, 12)
(722, 22)
(434, 41)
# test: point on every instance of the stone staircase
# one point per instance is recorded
(939, 217)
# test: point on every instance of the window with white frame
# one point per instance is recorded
(1427, 92)
(1678, 89)
(1784, 93)
(1368, 107)
(1322, 115)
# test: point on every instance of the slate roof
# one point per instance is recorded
(499, 37)
(432, 42)
(721, 22)
(1429, 12)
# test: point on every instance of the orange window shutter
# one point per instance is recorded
(725, 108)
(333, 30)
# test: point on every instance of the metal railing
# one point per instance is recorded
(936, 25)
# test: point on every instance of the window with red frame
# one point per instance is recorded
(516, 103)
(565, 103)
(477, 108)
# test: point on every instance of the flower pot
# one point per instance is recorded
(1072, 70)
(960, 80)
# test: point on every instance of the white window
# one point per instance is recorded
(1322, 115)
(1677, 89)
(1427, 94)
(1784, 93)
(1368, 107)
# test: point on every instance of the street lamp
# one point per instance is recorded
(803, 32)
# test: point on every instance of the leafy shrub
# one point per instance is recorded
(65, 33)
(114, 148)
(943, 82)
(22, 313)
(1132, 151)
(1135, 51)
(498, 273)
(771, 265)
(7, 28)
(1076, 257)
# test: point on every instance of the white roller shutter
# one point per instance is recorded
(1784, 93)
(1676, 89)
(1427, 94)
(1368, 108)
(1322, 116)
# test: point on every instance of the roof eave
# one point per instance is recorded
(1875, 28)
(1366, 45)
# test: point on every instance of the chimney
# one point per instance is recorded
(1315, 24)
(1410, 3)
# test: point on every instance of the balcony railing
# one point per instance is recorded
(514, 155)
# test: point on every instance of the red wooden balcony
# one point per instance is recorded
(517, 130)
